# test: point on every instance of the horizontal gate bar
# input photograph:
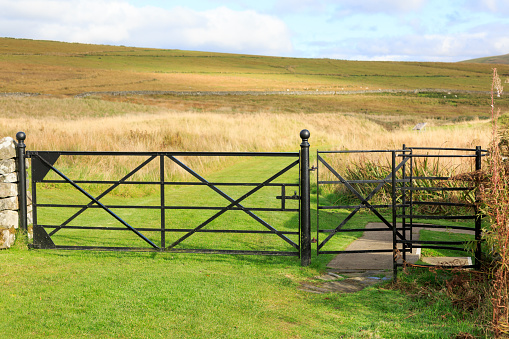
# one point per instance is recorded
(175, 183)
(204, 251)
(356, 252)
(386, 229)
(168, 230)
(210, 208)
(437, 155)
(444, 227)
(361, 151)
(445, 149)
(351, 206)
(439, 203)
(430, 178)
(435, 188)
(193, 154)
(437, 217)
(407, 150)
(379, 181)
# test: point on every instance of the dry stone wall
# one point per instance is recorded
(9, 208)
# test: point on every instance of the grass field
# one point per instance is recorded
(147, 295)
(144, 295)
(111, 295)
(62, 68)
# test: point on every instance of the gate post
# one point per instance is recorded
(478, 158)
(394, 220)
(305, 203)
(22, 180)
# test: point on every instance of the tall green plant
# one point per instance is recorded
(494, 193)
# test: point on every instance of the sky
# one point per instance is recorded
(382, 30)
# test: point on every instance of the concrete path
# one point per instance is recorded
(379, 240)
(355, 262)
(352, 272)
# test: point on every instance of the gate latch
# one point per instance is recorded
(293, 197)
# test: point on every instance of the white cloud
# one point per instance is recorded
(118, 22)
(348, 7)
(500, 7)
(284, 7)
(435, 47)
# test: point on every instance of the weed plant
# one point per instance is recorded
(462, 289)
(494, 193)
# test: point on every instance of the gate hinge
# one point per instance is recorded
(293, 197)
(313, 169)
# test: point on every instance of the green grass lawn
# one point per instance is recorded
(64, 294)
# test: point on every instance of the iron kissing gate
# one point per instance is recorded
(45, 173)
(413, 191)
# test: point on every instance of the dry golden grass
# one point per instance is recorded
(189, 131)
(65, 80)
(66, 108)
(95, 125)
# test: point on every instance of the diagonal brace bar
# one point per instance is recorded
(234, 203)
(98, 203)
(339, 227)
(363, 200)
(65, 223)
(247, 211)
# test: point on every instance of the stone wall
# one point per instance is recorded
(9, 218)
(265, 93)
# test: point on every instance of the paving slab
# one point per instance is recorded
(448, 261)
(379, 240)
(371, 240)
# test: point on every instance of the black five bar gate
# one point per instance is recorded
(43, 162)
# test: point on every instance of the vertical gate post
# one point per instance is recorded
(478, 157)
(163, 210)
(403, 203)
(22, 179)
(305, 203)
(394, 219)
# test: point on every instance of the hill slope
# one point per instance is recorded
(497, 59)
(68, 69)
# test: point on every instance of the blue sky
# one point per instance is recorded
(396, 30)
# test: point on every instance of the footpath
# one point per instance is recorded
(352, 272)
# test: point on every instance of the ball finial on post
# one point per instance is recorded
(21, 136)
(304, 134)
